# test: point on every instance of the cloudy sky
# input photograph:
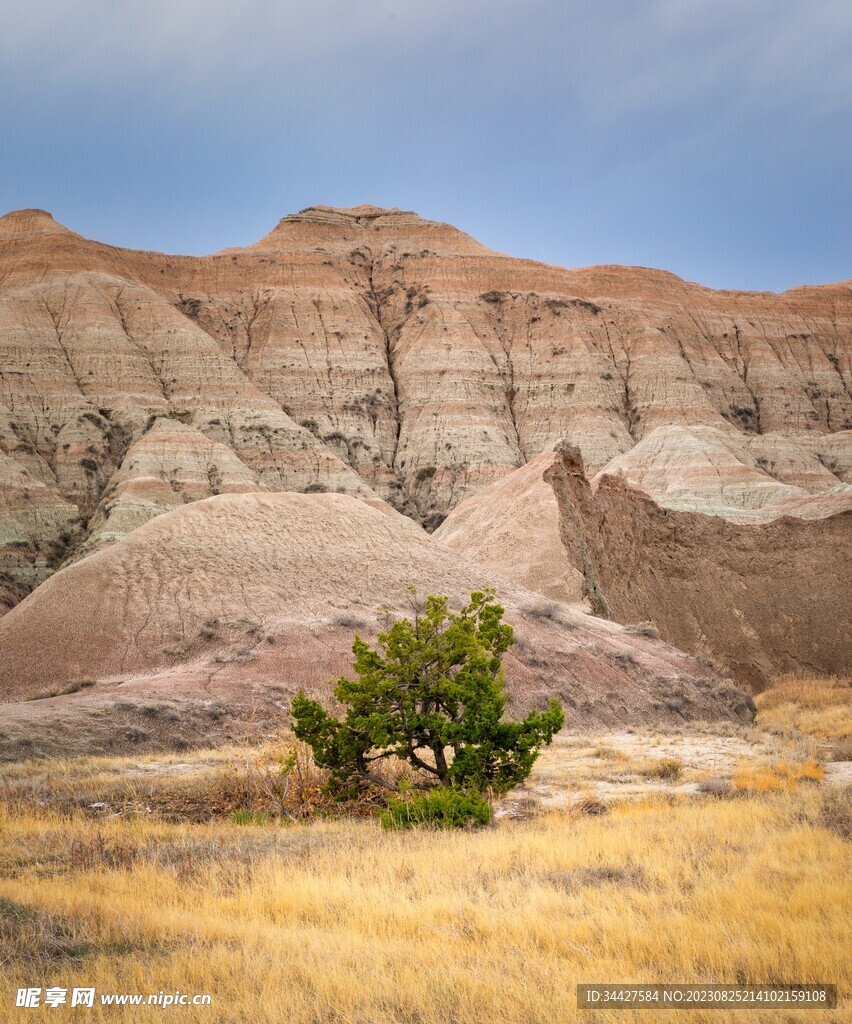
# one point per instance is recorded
(712, 138)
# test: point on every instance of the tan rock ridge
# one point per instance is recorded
(381, 354)
(28, 224)
(342, 231)
(244, 598)
(760, 598)
(721, 471)
(722, 584)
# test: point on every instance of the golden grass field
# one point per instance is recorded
(819, 707)
(339, 921)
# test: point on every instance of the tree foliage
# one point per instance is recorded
(431, 692)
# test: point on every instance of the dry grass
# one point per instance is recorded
(666, 768)
(820, 707)
(273, 780)
(192, 785)
(607, 753)
(338, 922)
(341, 922)
(770, 778)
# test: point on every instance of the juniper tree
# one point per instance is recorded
(430, 692)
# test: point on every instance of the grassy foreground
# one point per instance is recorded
(128, 875)
(341, 922)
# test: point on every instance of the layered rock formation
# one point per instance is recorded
(159, 413)
(723, 472)
(760, 598)
(171, 464)
(245, 598)
(376, 353)
(37, 529)
(711, 575)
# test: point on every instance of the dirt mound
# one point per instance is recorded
(248, 597)
(512, 527)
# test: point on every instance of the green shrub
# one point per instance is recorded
(244, 816)
(441, 807)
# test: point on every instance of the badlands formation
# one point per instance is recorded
(237, 601)
(172, 429)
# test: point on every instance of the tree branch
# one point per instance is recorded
(377, 780)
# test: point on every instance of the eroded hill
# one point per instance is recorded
(378, 354)
(222, 609)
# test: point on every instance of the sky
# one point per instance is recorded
(711, 138)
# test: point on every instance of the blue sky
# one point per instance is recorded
(712, 139)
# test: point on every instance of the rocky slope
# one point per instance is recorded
(513, 528)
(36, 527)
(760, 598)
(241, 599)
(724, 472)
(713, 576)
(378, 354)
(171, 464)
